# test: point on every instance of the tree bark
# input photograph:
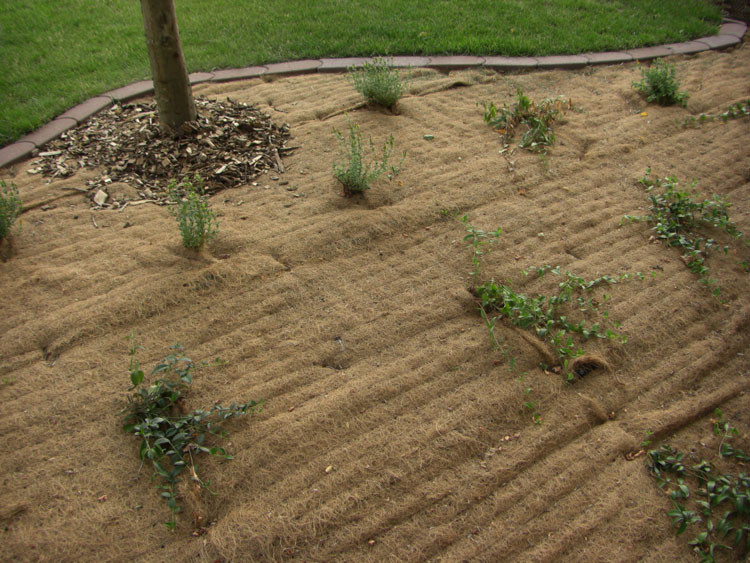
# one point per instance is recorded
(174, 96)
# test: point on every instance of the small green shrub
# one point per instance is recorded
(10, 208)
(538, 118)
(355, 174)
(378, 82)
(678, 221)
(659, 84)
(170, 439)
(197, 221)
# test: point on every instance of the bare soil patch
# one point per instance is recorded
(392, 430)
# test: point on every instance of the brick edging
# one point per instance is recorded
(730, 34)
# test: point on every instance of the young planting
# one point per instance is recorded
(548, 316)
(531, 406)
(476, 238)
(378, 82)
(718, 504)
(537, 118)
(171, 438)
(10, 208)
(357, 172)
(659, 84)
(196, 220)
(735, 111)
(681, 222)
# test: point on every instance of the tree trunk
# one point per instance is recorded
(174, 97)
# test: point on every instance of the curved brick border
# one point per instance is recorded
(730, 34)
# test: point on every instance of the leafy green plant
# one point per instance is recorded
(544, 314)
(10, 208)
(678, 221)
(721, 502)
(476, 238)
(538, 119)
(659, 84)
(355, 173)
(170, 438)
(196, 220)
(539, 313)
(531, 406)
(378, 82)
(735, 111)
(726, 431)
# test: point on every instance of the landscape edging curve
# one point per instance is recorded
(730, 34)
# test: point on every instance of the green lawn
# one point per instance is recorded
(57, 53)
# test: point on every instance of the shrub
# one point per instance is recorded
(10, 208)
(354, 173)
(197, 221)
(378, 82)
(658, 84)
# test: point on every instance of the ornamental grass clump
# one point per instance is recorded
(10, 208)
(197, 221)
(378, 82)
(659, 84)
(356, 173)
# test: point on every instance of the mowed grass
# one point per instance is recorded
(57, 53)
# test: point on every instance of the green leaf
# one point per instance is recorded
(136, 377)
(160, 470)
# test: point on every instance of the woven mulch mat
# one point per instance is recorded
(229, 144)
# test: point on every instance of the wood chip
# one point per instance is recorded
(100, 198)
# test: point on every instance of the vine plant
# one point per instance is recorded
(720, 502)
(681, 222)
(543, 314)
(171, 438)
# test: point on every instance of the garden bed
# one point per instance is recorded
(393, 426)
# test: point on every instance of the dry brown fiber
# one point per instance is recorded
(351, 319)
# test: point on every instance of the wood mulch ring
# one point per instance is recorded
(229, 144)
